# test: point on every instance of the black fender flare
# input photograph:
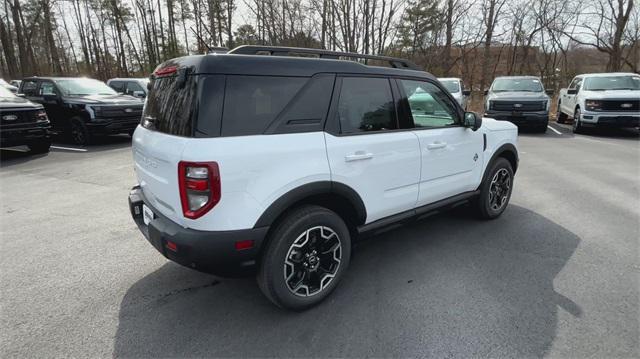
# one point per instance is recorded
(507, 147)
(300, 193)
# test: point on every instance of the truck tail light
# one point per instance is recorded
(199, 187)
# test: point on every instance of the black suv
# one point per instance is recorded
(82, 107)
(23, 122)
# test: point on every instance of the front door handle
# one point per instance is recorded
(358, 156)
(436, 145)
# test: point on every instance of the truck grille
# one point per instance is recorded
(621, 105)
(508, 105)
(14, 117)
(120, 111)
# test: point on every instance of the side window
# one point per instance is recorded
(47, 88)
(430, 106)
(118, 86)
(29, 88)
(251, 103)
(578, 84)
(366, 105)
(132, 87)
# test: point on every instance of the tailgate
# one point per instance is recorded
(156, 156)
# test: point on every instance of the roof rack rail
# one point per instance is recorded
(323, 54)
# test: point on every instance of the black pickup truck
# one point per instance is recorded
(83, 107)
(521, 100)
(23, 122)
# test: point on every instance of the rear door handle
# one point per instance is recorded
(358, 156)
(436, 145)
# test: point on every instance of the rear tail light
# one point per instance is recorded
(199, 187)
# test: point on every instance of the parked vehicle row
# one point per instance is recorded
(274, 165)
(601, 100)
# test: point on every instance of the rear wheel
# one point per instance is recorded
(495, 190)
(41, 146)
(79, 132)
(307, 255)
(561, 117)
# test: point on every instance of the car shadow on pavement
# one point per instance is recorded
(447, 286)
(17, 155)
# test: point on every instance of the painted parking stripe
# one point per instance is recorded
(554, 130)
(69, 148)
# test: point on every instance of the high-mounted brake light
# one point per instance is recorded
(199, 187)
(166, 70)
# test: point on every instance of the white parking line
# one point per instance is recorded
(69, 148)
(554, 130)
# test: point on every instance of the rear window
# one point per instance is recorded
(251, 103)
(171, 105)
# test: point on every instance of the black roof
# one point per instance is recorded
(274, 65)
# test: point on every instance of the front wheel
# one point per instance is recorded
(306, 257)
(79, 132)
(495, 190)
(41, 146)
(577, 124)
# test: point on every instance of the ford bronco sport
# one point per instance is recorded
(273, 164)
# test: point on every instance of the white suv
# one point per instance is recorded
(274, 164)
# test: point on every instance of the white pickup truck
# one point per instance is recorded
(601, 100)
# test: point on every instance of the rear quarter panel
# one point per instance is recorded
(255, 171)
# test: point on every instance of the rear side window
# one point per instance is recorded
(29, 87)
(366, 105)
(251, 103)
(171, 105)
(117, 85)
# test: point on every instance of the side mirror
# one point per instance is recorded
(472, 120)
(572, 91)
(486, 92)
(550, 92)
(139, 94)
(466, 92)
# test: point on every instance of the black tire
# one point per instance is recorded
(79, 132)
(289, 254)
(542, 128)
(485, 203)
(577, 124)
(41, 146)
(561, 117)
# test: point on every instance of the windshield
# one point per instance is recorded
(612, 83)
(6, 93)
(452, 86)
(84, 87)
(512, 85)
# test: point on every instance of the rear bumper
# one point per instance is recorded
(210, 252)
(610, 119)
(521, 119)
(23, 135)
(107, 126)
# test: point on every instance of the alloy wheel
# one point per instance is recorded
(312, 261)
(499, 189)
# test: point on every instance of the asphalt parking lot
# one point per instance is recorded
(556, 275)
